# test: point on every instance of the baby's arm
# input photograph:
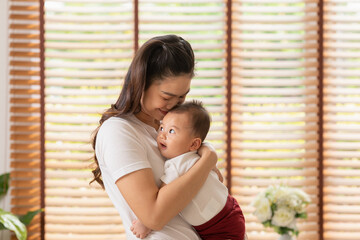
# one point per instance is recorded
(139, 229)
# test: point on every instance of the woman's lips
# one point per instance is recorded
(163, 112)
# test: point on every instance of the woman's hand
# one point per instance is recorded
(207, 148)
(220, 176)
(208, 151)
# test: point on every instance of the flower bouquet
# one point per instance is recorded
(279, 207)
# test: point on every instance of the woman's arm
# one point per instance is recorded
(156, 207)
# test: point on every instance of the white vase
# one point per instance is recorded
(285, 236)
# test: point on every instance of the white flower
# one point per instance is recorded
(263, 209)
(302, 195)
(295, 203)
(283, 217)
(278, 193)
(280, 205)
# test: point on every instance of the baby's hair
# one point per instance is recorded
(199, 117)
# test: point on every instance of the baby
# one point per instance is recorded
(213, 213)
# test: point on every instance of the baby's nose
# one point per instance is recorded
(162, 135)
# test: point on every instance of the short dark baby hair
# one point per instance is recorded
(199, 117)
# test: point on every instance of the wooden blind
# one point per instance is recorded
(24, 75)
(203, 24)
(341, 120)
(89, 46)
(274, 104)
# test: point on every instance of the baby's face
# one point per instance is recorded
(175, 135)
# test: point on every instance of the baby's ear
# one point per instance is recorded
(195, 145)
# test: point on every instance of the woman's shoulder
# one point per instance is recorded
(124, 120)
(115, 125)
(119, 133)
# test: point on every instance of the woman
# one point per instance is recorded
(129, 164)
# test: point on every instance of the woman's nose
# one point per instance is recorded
(173, 102)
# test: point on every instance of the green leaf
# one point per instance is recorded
(273, 207)
(4, 183)
(301, 215)
(267, 223)
(12, 222)
(2, 227)
(26, 219)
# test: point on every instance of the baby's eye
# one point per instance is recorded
(161, 129)
(171, 131)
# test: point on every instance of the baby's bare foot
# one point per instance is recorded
(139, 229)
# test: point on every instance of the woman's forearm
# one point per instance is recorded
(156, 207)
(174, 197)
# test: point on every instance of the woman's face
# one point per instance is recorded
(162, 96)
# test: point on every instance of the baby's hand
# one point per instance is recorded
(139, 229)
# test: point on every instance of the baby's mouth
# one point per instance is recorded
(163, 146)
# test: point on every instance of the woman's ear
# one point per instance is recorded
(195, 145)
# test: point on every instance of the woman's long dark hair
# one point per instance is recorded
(158, 58)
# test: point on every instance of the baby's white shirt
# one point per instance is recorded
(211, 198)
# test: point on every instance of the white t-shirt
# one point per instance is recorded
(125, 145)
(211, 198)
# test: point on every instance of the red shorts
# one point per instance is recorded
(229, 223)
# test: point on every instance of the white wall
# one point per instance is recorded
(4, 106)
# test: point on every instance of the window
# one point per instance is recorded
(293, 104)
